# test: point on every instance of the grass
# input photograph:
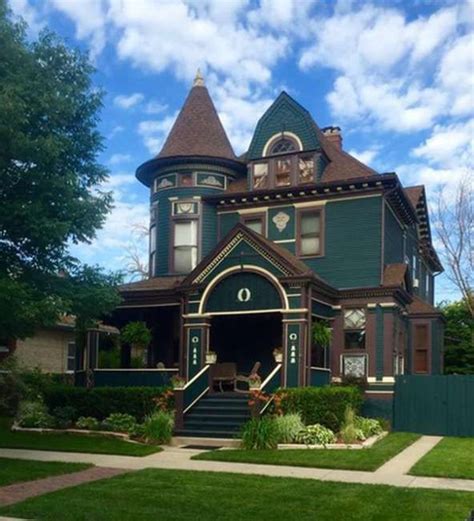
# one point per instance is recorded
(450, 458)
(17, 471)
(191, 496)
(362, 459)
(70, 442)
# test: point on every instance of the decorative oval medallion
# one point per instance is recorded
(244, 295)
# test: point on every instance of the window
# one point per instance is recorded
(283, 146)
(71, 356)
(421, 349)
(354, 328)
(152, 250)
(255, 223)
(283, 172)
(260, 176)
(309, 233)
(305, 169)
(186, 180)
(185, 249)
(185, 208)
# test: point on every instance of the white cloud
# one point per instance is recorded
(126, 102)
(154, 132)
(89, 17)
(387, 66)
(449, 145)
(30, 14)
(155, 107)
(116, 159)
(365, 156)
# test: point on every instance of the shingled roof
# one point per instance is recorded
(421, 307)
(198, 130)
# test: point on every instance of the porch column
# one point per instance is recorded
(92, 355)
(196, 336)
(295, 347)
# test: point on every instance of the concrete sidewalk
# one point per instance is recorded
(393, 473)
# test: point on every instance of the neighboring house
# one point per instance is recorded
(247, 253)
(52, 349)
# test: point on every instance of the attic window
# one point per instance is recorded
(282, 146)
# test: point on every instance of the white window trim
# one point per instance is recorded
(280, 135)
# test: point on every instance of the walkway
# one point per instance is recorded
(20, 491)
(393, 473)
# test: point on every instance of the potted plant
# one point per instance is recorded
(278, 355)
(255, 382)
(138, 336)
(211, 357)
(178, 382)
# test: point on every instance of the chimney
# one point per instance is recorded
(333, 135)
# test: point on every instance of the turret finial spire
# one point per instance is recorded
(199, 79)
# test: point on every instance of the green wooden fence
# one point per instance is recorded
(438, 405)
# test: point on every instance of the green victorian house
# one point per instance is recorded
(249, 253)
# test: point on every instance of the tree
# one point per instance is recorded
(49, 175)
(135, 265)
(455, 230)
(459, 338)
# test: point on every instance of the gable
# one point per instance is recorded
(284, 115)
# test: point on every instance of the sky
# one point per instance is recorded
(396, 76)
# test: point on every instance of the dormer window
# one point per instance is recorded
(283, 146)
(283, 172)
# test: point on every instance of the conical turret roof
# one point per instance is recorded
(198, 130)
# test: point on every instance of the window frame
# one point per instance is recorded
(299, 214)
(69, 357)
(261, 216)
(353, 330)
(180, 218)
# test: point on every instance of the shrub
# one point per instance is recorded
(12, 387)
(101, 402)
(119, 422)
(88, 423)
(138, 431)
(158, 427)
(323, 405)
(350, 433)
(260, 434)
(316, 435)
(288, 425)
(34, 414)
(368, 426)
(64, 416)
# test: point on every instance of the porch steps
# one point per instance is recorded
(219, 415)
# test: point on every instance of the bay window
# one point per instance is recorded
(185, 245)
(152, 250)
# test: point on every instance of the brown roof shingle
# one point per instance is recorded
(421, 307)
(152, 284)
(413, 194)
(198, 130)
(394, 274)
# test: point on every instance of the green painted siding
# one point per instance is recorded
(353, 235)
(274, 234)
(284, 115)
(208, 224)
(226, 222)
(243, 291)
(393, 244)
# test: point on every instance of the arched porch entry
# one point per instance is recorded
(245, 309)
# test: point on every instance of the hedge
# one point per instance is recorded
(100, 402)
(324, 405)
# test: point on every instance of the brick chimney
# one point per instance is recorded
(333, 135)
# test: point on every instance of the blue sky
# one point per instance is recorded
(397, 77)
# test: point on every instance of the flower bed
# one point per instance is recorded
(339, 445)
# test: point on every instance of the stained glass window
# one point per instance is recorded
(283, 146)
(305, 169)
(283, 172)
(354, 365)
(354, 328)
(260, 176)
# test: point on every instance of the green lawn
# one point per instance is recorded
(200, 496)
(451, 458)
(70, 442)
(363, 459)
(16, 470)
